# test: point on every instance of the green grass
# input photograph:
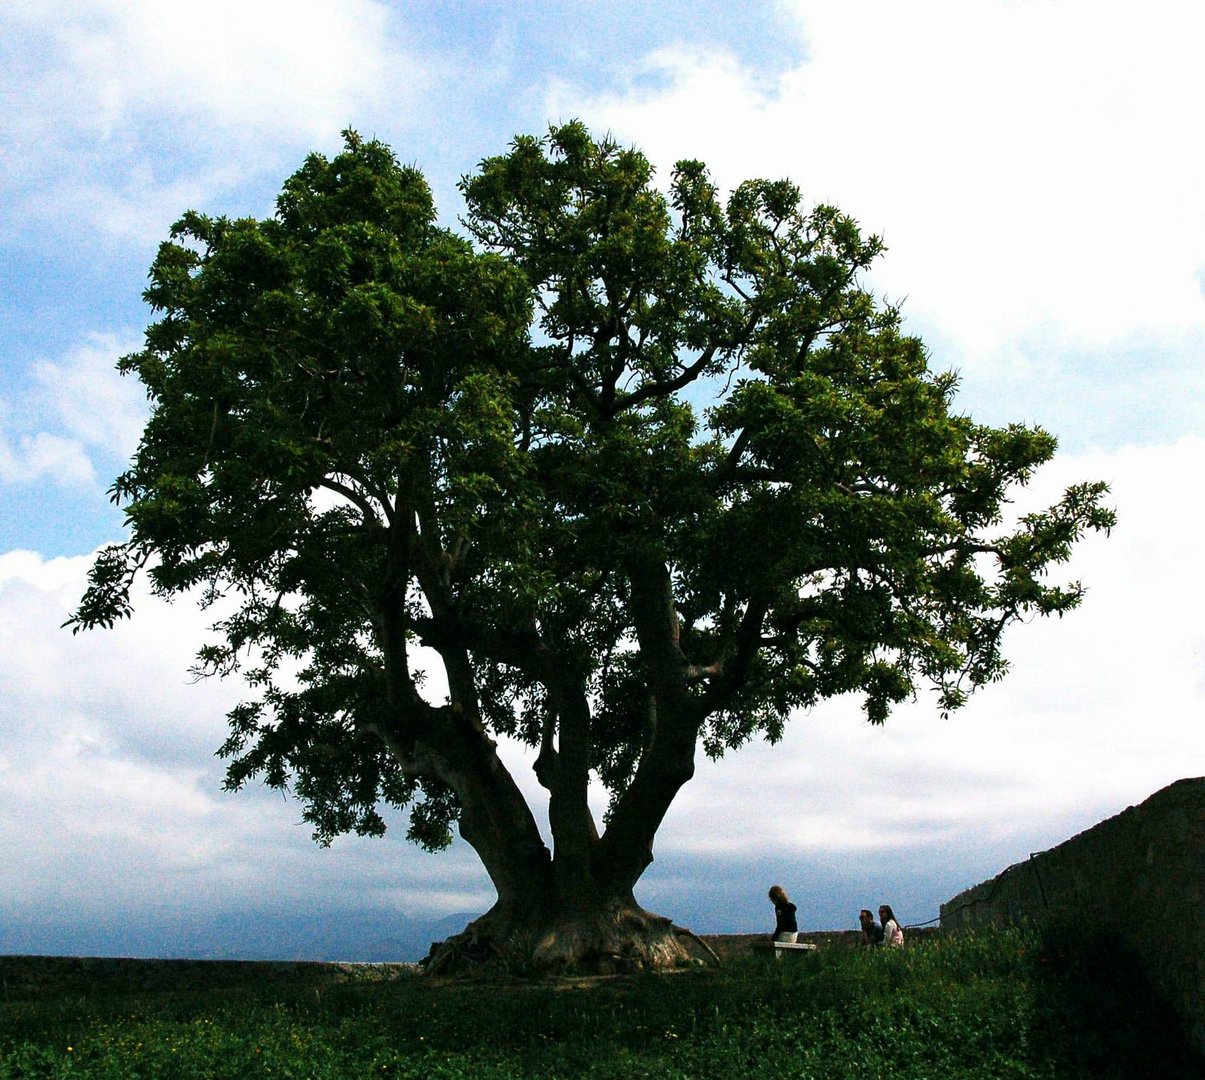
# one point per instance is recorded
(992, 1004)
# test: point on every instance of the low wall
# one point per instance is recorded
(33, 976)
(1139, 877)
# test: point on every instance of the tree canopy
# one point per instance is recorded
(635, 470)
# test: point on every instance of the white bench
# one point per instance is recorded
(781, 947)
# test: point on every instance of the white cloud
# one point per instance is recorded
(131, 111)
(88, 799)
(73, 413)
(1032, 166)
(32, 458)
(112, 793)
(295, 69)
(90, 399)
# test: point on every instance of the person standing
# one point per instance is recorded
(786, 929)
(892, 933)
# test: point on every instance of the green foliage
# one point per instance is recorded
(631, 449)
(992, 1004)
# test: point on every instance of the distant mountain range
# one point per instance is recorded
(372, 936)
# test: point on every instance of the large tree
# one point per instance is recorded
(634, 472)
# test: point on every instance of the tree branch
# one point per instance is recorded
(735, 668)
(356, 498)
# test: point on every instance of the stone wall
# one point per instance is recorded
(1139, 877)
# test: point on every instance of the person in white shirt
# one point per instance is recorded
(892, 934)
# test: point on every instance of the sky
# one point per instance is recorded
(1036, 171)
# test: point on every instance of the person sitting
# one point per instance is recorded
(872, 932)
(786, 929)
(892, 933)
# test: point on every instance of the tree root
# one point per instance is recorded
(609, 943)
(682, 931)
(509, 950)
(467, 950)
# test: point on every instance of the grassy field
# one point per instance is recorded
(998, 1004)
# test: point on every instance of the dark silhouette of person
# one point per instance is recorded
(872, 932)
(786, 929)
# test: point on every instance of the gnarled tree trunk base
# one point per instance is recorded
(614, 938)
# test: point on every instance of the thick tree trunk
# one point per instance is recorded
(609, 936)
(576, 913)
(495, 819)
(572, 913)
(572, 910)
(449, 743)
